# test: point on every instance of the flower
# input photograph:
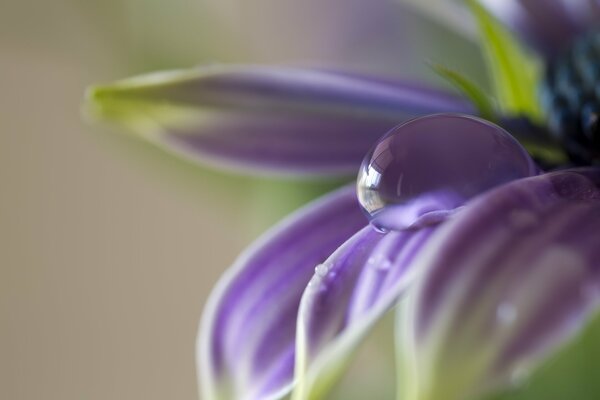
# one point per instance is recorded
(549, 27)
(481, 298)
(564, 33)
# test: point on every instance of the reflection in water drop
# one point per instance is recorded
(423, 170)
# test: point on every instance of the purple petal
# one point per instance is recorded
(247, 337)
(268, 119)
(548, 25)
(348, 294)
(504, 284)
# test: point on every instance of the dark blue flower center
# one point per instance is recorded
(570, 94)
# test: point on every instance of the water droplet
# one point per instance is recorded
(385, 265)
(420, 172)
(506, 314)
(379, 262)
(321, 270)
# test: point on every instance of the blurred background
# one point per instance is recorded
(109, 247)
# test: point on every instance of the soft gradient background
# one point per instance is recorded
(108, 247)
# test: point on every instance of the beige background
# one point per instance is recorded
(108, 248)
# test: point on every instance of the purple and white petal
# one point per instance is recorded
(503, 285)
(550, 26)
(272, 120)
(247, 336)
(348, 294)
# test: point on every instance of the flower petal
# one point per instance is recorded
(548, 25)
(246, 341)
(349, 293)
(502, 286)
(267, 119)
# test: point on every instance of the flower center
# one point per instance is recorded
(570, 95)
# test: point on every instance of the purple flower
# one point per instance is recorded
(488, 265)
(550, 27)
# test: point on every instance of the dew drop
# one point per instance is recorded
(321, 270)
(379, 262)
(422, 171)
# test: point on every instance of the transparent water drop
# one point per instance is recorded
(379, 262)
(422, 171)
(321, 270)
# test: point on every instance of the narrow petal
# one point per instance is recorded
(267, 119)
(247, 336)
(348, 294)
(548, 25)
(502, 286)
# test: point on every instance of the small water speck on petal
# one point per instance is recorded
(321, 270)
(379, 262)
(385, 265)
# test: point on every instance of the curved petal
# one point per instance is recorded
(267, 119)
(246, 341)
(548, 25)
(348, 294)
(502, 285)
